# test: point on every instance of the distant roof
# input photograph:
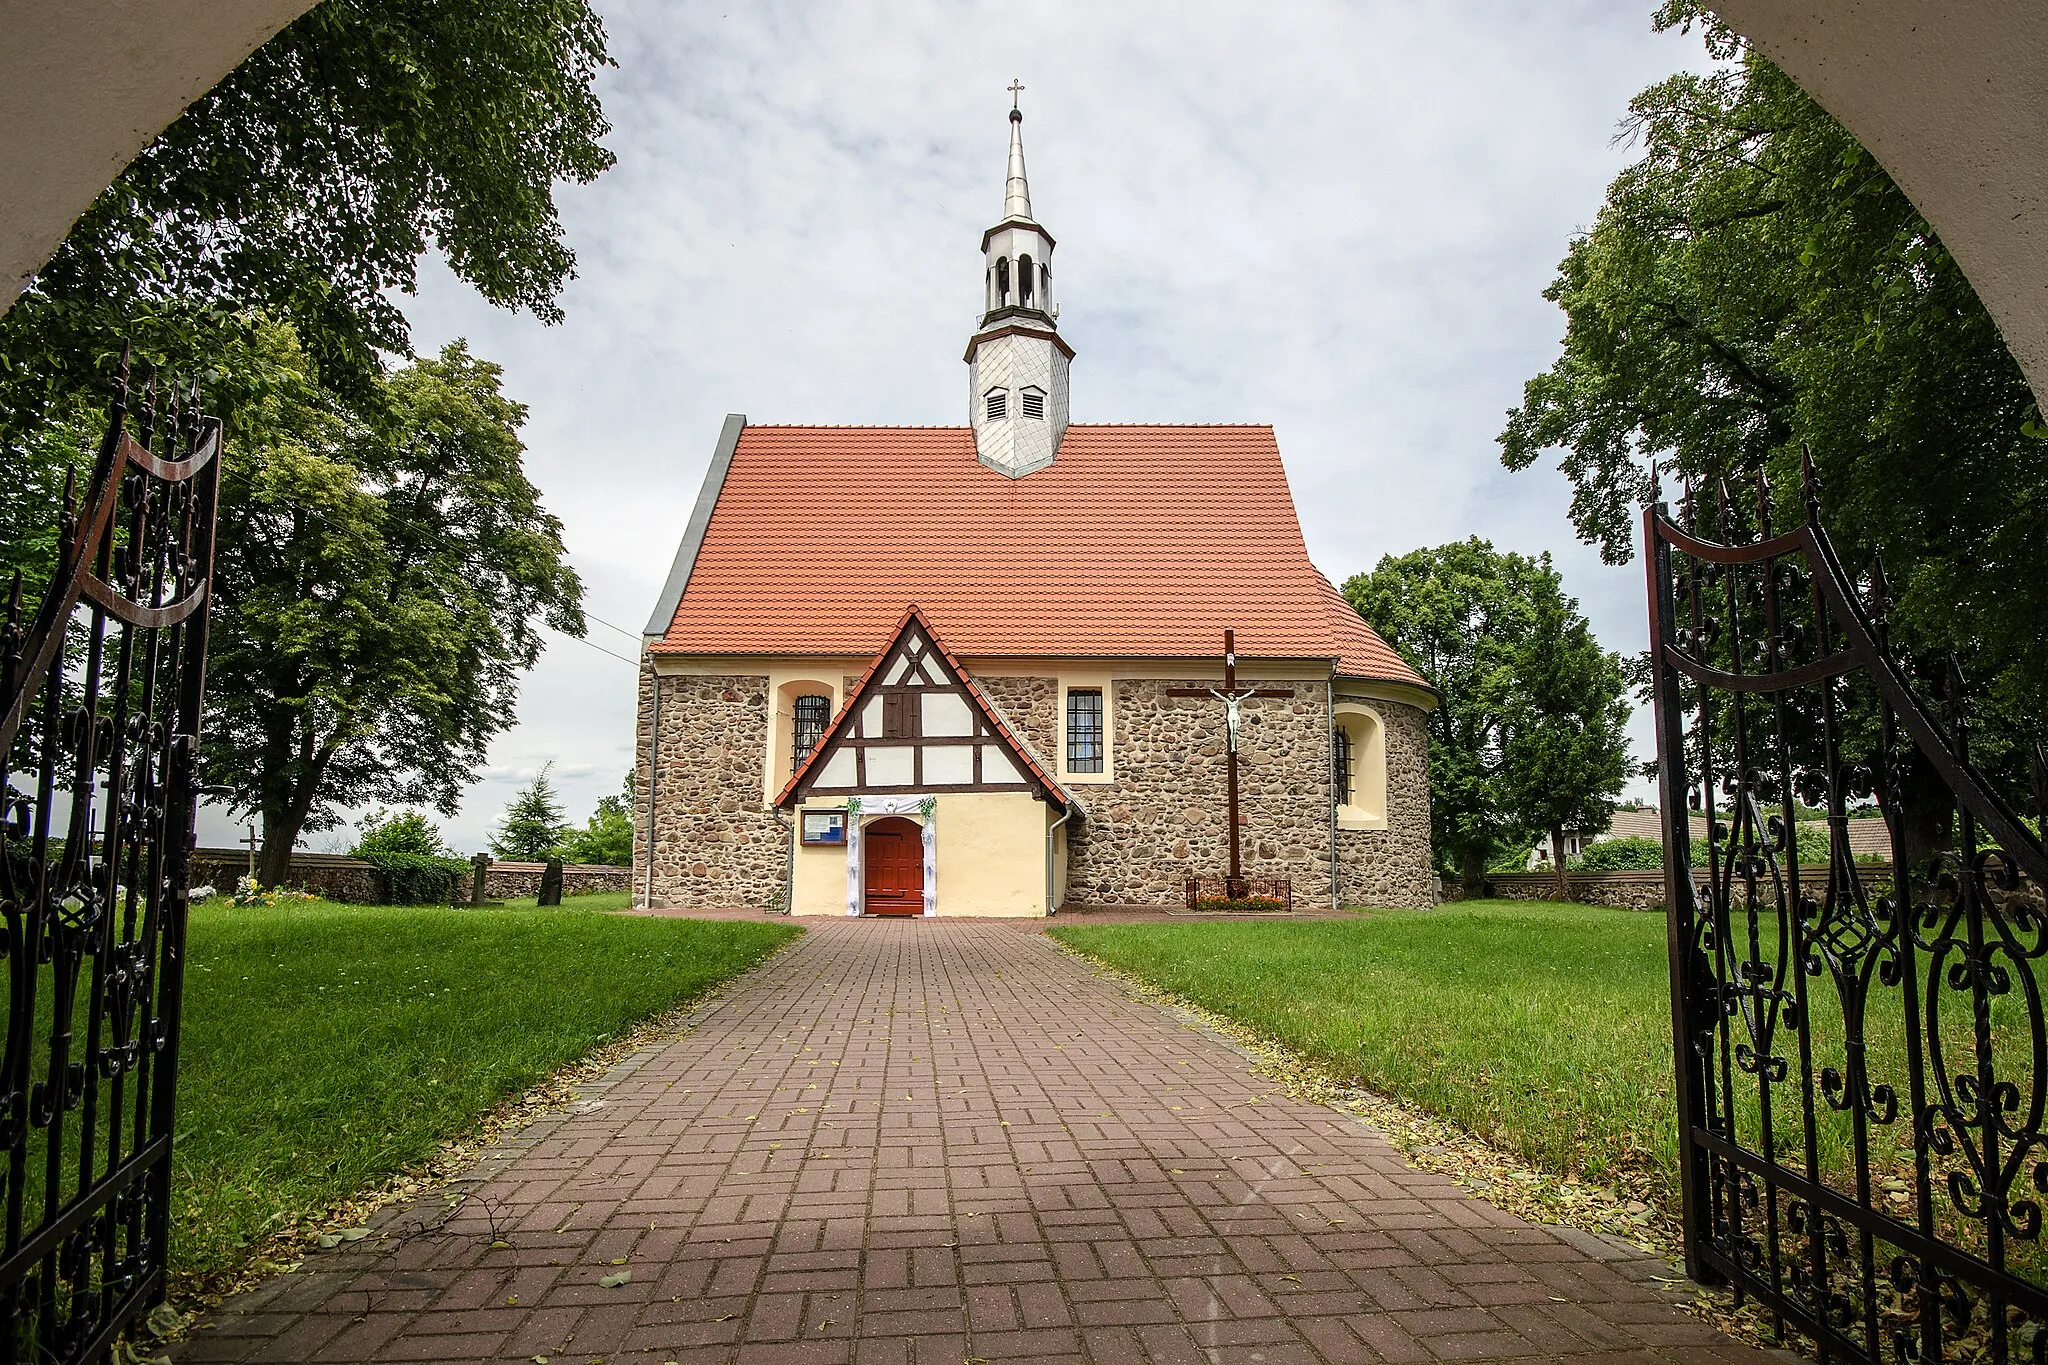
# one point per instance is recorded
(1868, 834)
(1137, 541)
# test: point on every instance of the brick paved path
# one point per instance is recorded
(943, 1141)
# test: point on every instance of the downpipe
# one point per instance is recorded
(788, 862)
(653, 776)
(1051, 832)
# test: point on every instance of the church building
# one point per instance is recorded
(979, 670)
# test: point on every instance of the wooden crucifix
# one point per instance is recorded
(1232, 698)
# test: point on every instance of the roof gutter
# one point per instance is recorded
(700, 521)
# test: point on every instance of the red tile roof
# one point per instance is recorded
(1137, 541)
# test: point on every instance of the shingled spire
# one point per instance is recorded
(1016, 361)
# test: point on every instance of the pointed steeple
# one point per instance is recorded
(1016, 361)
(1017, 191)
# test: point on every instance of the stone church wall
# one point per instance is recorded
(1391, 866)
(1032, 706)
(1163, 818)
(713, 843)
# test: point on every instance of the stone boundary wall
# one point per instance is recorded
(338, 877)
(1621, 890)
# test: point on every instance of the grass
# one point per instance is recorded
(328, 1046)
(1541, 1027)
(1544, 1028)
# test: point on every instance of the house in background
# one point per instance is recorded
(1868, 836)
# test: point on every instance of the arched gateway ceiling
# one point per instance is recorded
(1948, 97)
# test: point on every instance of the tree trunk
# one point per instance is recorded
(1564, 887)
(1472, 875)
(274, 861)
(1926, 809)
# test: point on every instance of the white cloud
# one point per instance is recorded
(1337, 218)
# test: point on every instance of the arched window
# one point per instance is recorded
(1340, 766)
(1025, 277)
(1045, 284)
(1358, 767)
(998, 404)
(809, 715)
(1002, 280)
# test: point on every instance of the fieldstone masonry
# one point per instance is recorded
(1161, 820)
(1391, 866)
(714, 844)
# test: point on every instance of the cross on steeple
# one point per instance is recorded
(1015, 87)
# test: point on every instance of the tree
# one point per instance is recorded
(381, 581)
(407, 832)
(1756, 284)
(307, 184)
(608, 837)
(1564, 751)
(1460, 614)
(531, 829)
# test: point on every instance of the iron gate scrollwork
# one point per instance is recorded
(1861, 1063)
(100, 736)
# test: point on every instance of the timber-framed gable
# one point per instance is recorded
(915, 722)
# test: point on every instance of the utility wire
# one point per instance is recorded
(394, 517)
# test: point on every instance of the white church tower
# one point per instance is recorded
(1016, 362)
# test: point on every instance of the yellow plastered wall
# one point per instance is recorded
(991, 857)
(991, 853)
(818, 881)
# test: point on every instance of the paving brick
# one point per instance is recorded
(818, 1170)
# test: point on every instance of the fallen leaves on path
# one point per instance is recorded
(1435, 1144)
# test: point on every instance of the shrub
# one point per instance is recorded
(404, 832)
(418, 879)
(1621, 855)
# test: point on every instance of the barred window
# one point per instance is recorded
(998, 404)
(1084, 730)
(1340, 766)
(811, 714)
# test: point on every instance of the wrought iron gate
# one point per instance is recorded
(1861, 1067)
(100, 738)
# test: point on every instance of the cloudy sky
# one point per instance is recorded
(1335, 218)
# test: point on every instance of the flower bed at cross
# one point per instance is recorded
(1243, 905)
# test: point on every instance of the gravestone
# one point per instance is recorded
(482, 864)
(551, 883)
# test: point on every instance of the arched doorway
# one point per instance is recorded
(892, 861)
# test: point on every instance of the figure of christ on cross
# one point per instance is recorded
(1232, 698)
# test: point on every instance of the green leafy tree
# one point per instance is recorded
(608, 835)
(382, 579)
(1564, 750)
(1756, 283)
(309, 182)
(1461, 614)
(408, 832)
(531, 829)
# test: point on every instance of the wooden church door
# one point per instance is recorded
(892, 852)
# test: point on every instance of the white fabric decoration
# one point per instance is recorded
(861, 806)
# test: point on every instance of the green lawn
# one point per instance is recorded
(1545, 1029)
(327, 1046)
(1542, 1027)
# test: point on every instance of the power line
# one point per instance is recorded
(394, 517)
